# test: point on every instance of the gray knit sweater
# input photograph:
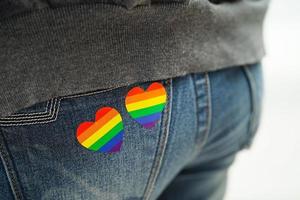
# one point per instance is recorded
(60, 47)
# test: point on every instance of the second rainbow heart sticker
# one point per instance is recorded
(146, 106)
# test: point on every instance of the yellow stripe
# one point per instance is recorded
(146, 103)
(102, 131)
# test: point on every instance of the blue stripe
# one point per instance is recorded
(148, 119)
(115, 140)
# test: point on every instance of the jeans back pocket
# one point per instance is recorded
(47, 160)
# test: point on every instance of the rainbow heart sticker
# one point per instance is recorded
(146, 106)
(105, 134)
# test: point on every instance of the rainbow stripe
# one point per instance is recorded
(146, 106)
(105, 134)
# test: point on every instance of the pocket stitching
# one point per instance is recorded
(52, 116)
(38, 120)
(32, 113)
(15, 118)
(49, 117)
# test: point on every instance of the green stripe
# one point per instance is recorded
(147, 111)
(107, 137)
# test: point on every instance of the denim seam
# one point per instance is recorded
(9, 169)
(207, 108)
(19, 117)
(253, 91)
(32, 113)
(54, 114)
(196, 107)
(47, 119)
(160, 151)
(87, 93)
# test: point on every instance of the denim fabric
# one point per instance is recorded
(208, 118)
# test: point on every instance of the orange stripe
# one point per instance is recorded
(97, 125)
(103, 111)
(146, 95)
(134, 91)
(82, 127)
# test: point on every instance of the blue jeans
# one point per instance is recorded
(208, 118)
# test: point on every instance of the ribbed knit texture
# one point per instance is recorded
(83, 47)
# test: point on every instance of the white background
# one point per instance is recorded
(271, 169)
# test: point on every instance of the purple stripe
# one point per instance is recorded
(150, 125)
(113, 142)
(117, 147)
(149, 119)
